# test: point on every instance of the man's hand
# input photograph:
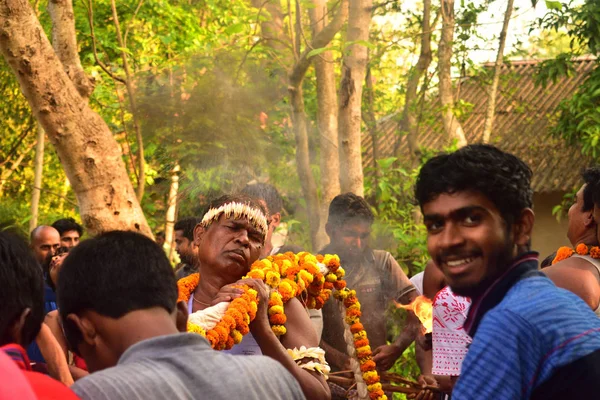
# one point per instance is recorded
(385, 356)
(425, 394)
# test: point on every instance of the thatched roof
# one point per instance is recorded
(524, 113)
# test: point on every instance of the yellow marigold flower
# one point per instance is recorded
(272, 279)
(340, 272)
(276, 310)
(267, 263)
(306, 276)
(285, 264)
(309, 258)
(360, 335)
(311, 267)
(374, 387)
(256, 274)
(354, 307)
(331, 277)
(236, 335)
(278, 330)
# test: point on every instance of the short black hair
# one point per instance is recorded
(187, 225)
(22, 287)
(266, 192)
(160, 234)
(66, 225)
(500, 176)
(348, 206)
(114, 274)
(591, 193)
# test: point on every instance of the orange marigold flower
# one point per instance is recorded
(376, 394)
(320, 258)
(581, 249)
(237, 315)
(222, 332)
(339, 285)
(229, 343)
(562, 254)
(278, 319)
(595, 252)
(228, 321)
(355, 328)
(243, 328)
(353, 313)
(368, 366)
(361, 343)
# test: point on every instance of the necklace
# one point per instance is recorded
(583, 250)
(199, 302)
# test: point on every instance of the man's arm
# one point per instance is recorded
(501, 360)
(573, 274)
(433, 280)
(404, 292)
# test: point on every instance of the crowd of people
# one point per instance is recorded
(103, 319)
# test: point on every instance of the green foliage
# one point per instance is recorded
(397, 227)
(579, 116)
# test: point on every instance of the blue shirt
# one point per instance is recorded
(533, 331)
(33, 351)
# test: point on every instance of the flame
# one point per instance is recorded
(423, 309)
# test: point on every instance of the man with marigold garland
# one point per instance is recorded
(531, 340)
(377, 279)
(580, 272)
(117, 298)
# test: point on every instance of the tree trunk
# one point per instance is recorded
(452, 127)
(64, 41)
(353, 77)
(371, 122)
(491, 104)
(408, 124)
(326, 121)
(87, 150)
(171, 210)
(309, 187)
(130, 93)
(307, 180)
(37, 178)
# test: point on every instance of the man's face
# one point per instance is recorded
(69, 239)
(351, 238)
(45, 244)
(579, 221)
(229, 246)
(185, 248)
(468, 240)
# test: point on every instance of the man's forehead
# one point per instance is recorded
(71, 233)
(448, 203)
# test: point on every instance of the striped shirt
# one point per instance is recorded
(184, 366)
(523, 344)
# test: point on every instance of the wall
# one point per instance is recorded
(548, 233)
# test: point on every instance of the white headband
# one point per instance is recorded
(237, 211)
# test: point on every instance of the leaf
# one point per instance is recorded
(553, 5)
(235, 28)
(314, 52)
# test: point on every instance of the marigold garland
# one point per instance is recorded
(565, 252)
(290, 275)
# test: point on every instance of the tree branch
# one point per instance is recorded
(94, 49)
(320, 40)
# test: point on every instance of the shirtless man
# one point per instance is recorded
(580, 274)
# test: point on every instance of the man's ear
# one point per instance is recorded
(199, 232)
(85, 326)
(523, 227)
(589, 219)
(275, 219)
(16, 330)
(181, 316)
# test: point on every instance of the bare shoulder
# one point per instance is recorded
(300, 331)
(577, 276)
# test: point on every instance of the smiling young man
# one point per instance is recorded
(531, 340)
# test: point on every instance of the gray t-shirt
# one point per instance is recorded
(184, 366)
